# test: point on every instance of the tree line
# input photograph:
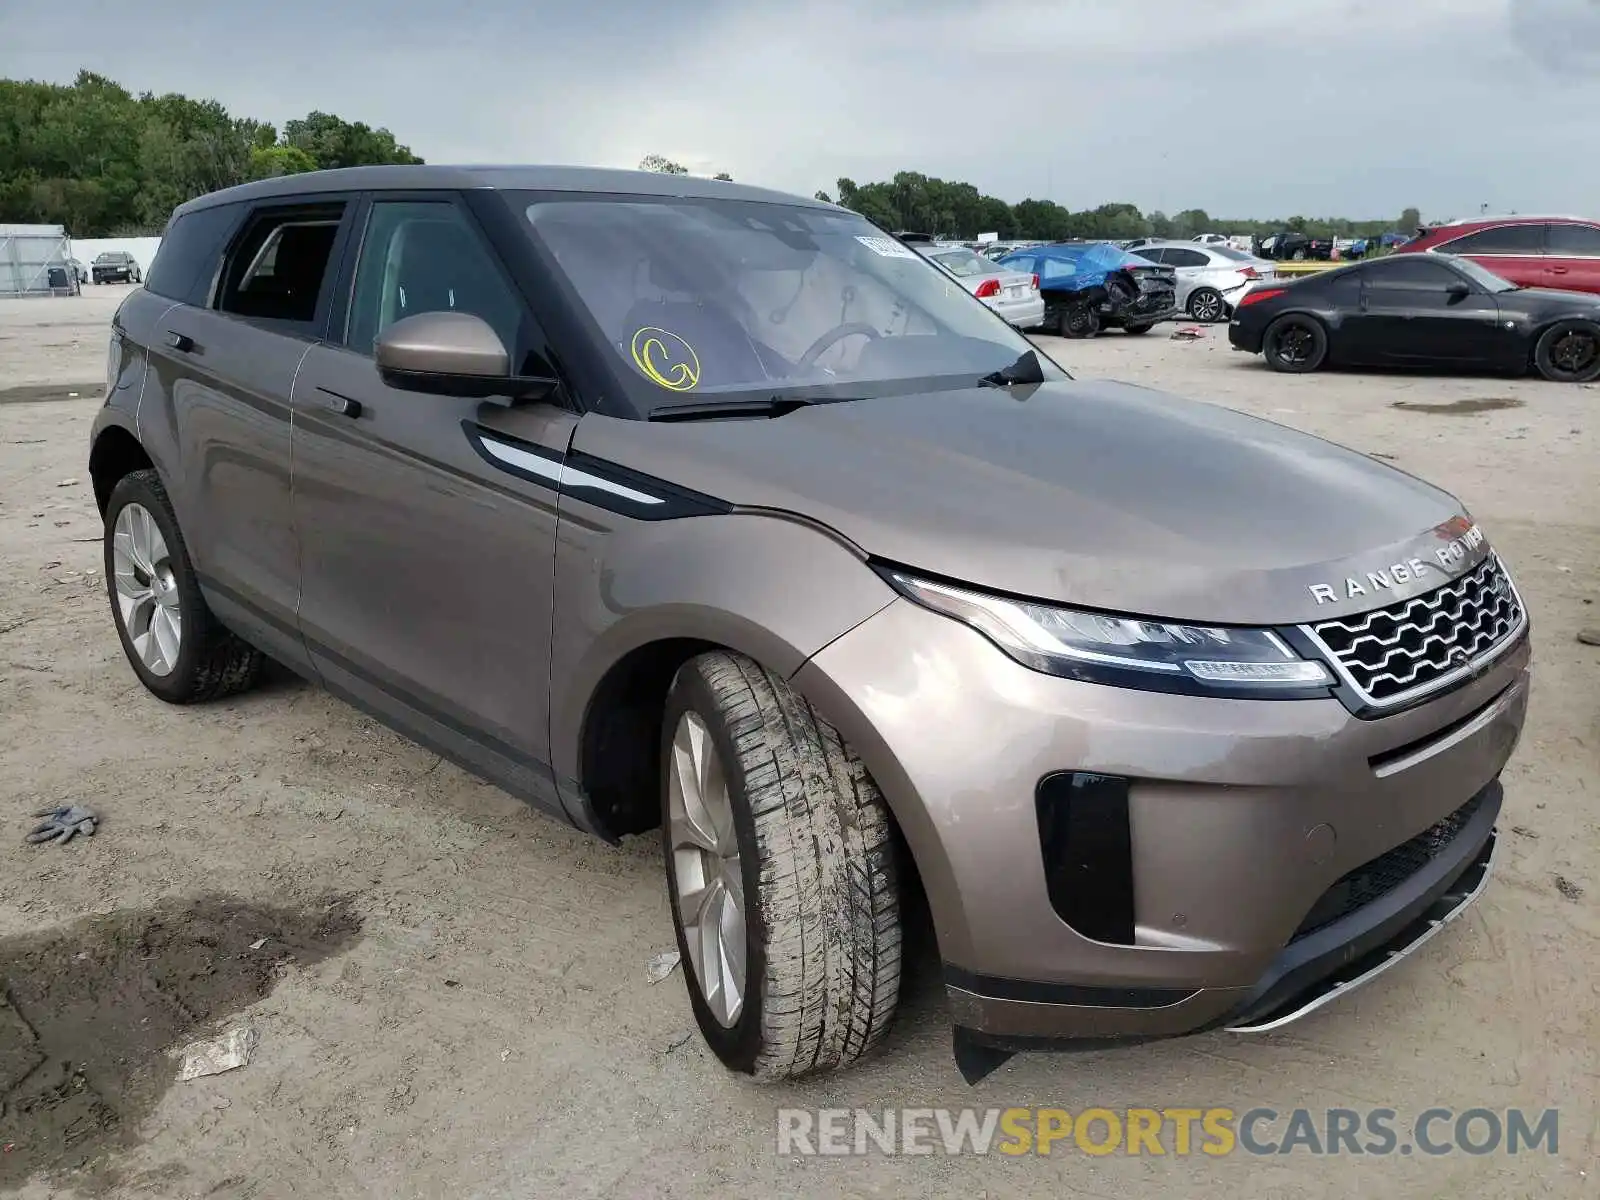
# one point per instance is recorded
(921, 203)
(96, 158)
(103, 162)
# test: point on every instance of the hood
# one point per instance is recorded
(1098, 494)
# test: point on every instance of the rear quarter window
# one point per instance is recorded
(185, 267)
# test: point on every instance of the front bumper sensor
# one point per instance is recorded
(1319, 968)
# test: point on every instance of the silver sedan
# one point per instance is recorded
(1210, 278)
(1012, 294)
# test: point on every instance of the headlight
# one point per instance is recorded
(1125, 651)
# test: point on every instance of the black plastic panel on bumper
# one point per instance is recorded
(1309, 973)
(1354, 950)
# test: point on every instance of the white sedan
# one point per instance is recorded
(1012, 294)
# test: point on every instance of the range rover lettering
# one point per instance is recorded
(689, 510)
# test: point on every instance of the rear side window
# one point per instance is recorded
(1186, 258)
(1503, 239)
(190, 253)
(278, 267)
(1580, 241)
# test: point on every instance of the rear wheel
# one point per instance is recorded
(1295, 344)
(1078, 321)
(1569, 352)
(1206, 305)
(179, 650)
(781, 874)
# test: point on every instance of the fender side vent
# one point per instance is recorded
(1088, 853)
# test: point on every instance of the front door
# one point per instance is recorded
(427, 572)
(1409, 315)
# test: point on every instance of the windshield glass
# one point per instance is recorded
(1482, 276)
(963, 263)
(705, 299)
(108, 256)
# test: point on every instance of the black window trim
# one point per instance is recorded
(315, 328)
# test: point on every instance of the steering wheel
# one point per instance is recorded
(833, 336)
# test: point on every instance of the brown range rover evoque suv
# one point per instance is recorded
(665, 502)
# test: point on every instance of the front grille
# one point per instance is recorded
(1408, 649)
(1388, 871)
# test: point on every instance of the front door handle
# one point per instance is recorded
(1558, 270)
(343, 405)
(181, 342)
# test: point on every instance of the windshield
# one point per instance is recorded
(108, 256)
(1482, 276)
(705, 299)
(963, 263)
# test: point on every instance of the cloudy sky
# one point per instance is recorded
(1246, 107)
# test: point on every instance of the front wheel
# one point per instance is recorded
(1295, 344)
(1569, 352)
(1206, 305)
(179, 650)
(781, 873)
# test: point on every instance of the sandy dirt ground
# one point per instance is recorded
(451, 993)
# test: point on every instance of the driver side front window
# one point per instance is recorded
(424, 256)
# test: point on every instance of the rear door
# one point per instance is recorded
(428, 523)
(218, 388)
(1409, 316)
(1574, 256)
(1513, 252)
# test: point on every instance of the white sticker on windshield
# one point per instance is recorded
(887, 247)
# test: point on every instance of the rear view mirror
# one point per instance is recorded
(452, 354)
(1457, 291)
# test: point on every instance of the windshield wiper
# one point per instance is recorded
(710, 410)
(1025, 370)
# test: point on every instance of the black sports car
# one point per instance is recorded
(1425, 310)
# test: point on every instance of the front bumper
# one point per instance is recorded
(1241, 814)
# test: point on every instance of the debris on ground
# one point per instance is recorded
(213, 1057)
(1567, 888)
(62, 824)
(661, 965)
(68, 483)
(1187, 333)
(258, 943)
(1589, 637)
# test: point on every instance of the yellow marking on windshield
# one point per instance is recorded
(666, 359)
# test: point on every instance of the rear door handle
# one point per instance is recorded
(343, 405)
(181, 342)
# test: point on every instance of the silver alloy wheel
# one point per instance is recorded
(1206, 307)
(706, 868)
(147, 590)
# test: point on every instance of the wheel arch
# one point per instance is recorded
(114, 453)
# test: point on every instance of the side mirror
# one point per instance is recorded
(452, 354)
(1457, 291)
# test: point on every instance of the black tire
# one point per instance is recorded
(1207, 306)
(212, 662)
(1299, 256)
(1077, 321)
(1569, 352)
(1136, 330)
(1295, 344)
(818, 864)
